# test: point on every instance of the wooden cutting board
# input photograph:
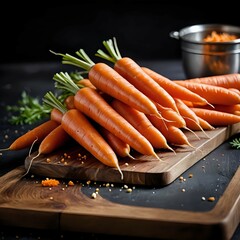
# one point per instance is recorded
(75, 163)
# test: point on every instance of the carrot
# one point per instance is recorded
(191, 119)
(140, 121)
(121, 148)
(173, 134)
(80, 129)
(56, 115)
(213, 94)
(86, 83)
(130, 70)
(92, 104)
(235, 90)
(234, 109)
(106, 79)
(231, 80)
(55, 139)
(69, 102)
(171, 117)
(36, 134)
(205, 125)
(216, 118)
(174, 89)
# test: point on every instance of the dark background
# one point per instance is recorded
(142, 27)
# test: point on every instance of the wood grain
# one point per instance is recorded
(70, 162)
(25, 203)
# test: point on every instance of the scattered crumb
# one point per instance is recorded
(94, 195)
(70, 183)
(190, 175)
(211, 199)
(50, 183)
(203, 198)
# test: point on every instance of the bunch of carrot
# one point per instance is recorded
(115, 110)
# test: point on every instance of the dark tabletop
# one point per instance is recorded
(36, 79)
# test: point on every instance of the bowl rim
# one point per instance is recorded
(203, 27)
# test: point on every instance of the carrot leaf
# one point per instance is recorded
(85, 63)
(51, 100)
(77, 75)
(235, 143)
(65, 82)
(112, 49)
(28, 110)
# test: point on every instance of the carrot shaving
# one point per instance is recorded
(50, 183)
(219, 37)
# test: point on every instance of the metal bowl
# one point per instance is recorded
(201, 58)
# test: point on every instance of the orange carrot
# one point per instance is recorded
(204, 124)
(121, 148)
(56, 115)
(93, 105)
(231, 80)
(235, 90)
(86, 83)
(36, 135)
(234, 109)
(106, 79)
(173, 134)
(213, 94)
(69, 102)
(171, 117)
(174, 89)
(54, 140)
(174, 118)
(140, 121)
(80, 129)
(216, 118)
(190, 117)
(130, 70)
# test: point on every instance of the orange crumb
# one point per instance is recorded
(50, 183)
(219, 37)
(70, 183)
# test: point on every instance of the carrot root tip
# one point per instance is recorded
(30, 164)
(192, 132)
(30, 150)
(129, 155)
(5, 149)
(158, 158)
(120, 171)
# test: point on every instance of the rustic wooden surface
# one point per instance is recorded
(25, 203)
(144, 170)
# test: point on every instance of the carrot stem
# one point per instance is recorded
(112, 47)
(51, 100)
(86, 63)
(64, 81)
